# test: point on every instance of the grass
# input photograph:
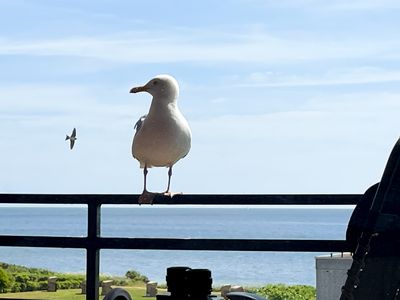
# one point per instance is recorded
(137, 292)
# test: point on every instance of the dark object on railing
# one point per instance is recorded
(118, 294)
(186, 283)
(199, 282)
(358, 219)
(176, 282)
(244, 296)
(375, 225)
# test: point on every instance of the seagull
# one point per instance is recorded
(72, 138)
(162, 136)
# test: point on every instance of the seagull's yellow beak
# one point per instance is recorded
(138, 89)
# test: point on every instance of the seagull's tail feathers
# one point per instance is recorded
(67, 138)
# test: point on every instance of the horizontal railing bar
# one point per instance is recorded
(226, 244)
(43, 241)
(178, 244)
(200, 199)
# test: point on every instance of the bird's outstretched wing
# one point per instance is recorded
(71, 138)
(139, 123)
(73, 133)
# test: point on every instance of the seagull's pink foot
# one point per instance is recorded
(171, 194)
(146, 198)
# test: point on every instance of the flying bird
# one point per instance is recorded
(71, 139)
(162, 136)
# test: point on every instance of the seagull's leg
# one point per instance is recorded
(145, 178)
(146, 197)
(167, 192)
(169, 179)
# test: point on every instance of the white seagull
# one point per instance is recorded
(72, 138)
(162, 136)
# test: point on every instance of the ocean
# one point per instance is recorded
(228, 267)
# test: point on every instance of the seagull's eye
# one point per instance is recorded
(154, 82)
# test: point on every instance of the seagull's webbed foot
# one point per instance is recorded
(146, 198)
(171, 194)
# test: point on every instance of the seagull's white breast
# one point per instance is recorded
(163, 139)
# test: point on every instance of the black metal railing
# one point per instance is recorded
(93, 242)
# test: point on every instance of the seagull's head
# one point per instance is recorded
(164, 86)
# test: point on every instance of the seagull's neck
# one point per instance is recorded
(162, 107)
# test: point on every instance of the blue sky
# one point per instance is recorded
(282, 96)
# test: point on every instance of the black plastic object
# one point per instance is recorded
(244, 296)
(185, 283)
(375, 224)
(177, 282)
(199, 283)
(117, 294)
(384, 244)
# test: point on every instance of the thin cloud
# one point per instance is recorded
(363, 4)
(195, 46)
(337, 117)
(335, 5)
(362, 75)
(62, 105)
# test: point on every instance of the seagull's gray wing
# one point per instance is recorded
(139, 123)
(73, 133)
(72, 142)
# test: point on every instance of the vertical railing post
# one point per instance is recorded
(93, 252)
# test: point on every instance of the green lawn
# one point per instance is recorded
(137, 292)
